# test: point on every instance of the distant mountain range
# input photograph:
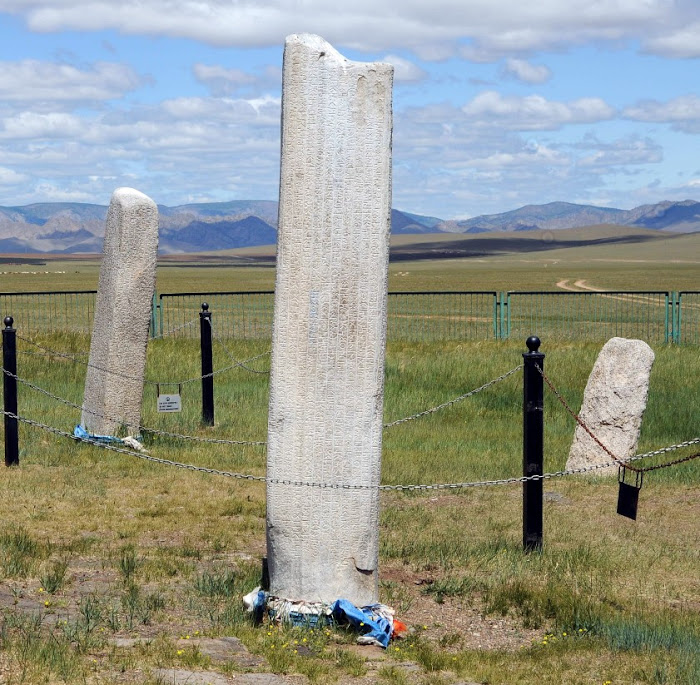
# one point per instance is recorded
(679, 217)
(68, 227)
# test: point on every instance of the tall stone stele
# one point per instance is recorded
(326, 382)
(613, 405)
(115, 375)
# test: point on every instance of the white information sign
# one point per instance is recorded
(169, 403)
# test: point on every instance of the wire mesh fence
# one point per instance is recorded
(653, 316)
(241, 315)
(428, 316)
(48, 312)
(646, 315)
(411, 316)
(687, 323)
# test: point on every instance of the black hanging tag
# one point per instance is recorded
(628, 495)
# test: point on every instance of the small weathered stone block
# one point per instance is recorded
(613, 404)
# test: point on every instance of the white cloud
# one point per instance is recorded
(227, 81)
(528, 156)
(35, 81)
(48, 192)
(527, 72)
(432, 30)
(405, 71)
(684, 42)
(170, 150)
(221, 80)
(11, 177)
(682, 113)
(31, 125)
(621, 153)
(535, 112)
(449, 163)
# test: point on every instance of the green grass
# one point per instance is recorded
(179, 548)
(121, 547)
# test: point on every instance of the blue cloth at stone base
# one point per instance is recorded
(80, 432)
(364, 619)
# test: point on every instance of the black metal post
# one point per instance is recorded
(207, 366)
(533, 441)
(9, 385)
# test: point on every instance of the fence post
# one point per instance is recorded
(207, 366)
(507, 316)
(502, 333)
(9, 363)
(154, 316)
(533, 440)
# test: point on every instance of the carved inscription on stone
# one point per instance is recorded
(326, 383)
(114, 381)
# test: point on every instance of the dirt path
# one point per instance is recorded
(578, 286)
(581, 285)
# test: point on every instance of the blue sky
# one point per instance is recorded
(497, 103)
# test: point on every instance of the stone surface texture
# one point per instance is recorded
(329, 335)
(613, 404)
(114, 381)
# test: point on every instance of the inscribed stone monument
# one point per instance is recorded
(114, 381)
(326, 381)
(613, 404)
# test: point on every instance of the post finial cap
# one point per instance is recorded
(533, 343)
(8, 321)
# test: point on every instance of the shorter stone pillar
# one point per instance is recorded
(115, 375)
(613, 404)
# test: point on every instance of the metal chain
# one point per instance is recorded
(455, 400)
(251, 442)
(131, 453)
(646, 469)
(230, 356)
(342, 486)
(134, 378)
(47, 354)
(63, 355)
(576, 417)
(215, 373)
(160, 336)
(544, 476)
(617, 460)
(155, 431)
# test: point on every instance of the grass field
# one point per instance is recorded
(120, 570)
(606, 257)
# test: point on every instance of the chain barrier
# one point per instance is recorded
(146, 381)
(231, 357)
(63, 355)
(155, 431)
(244, 365)
(455, 400)
(616, 460)
(252, 442)
(160, 336)
(222, 441)
(218, 371)
(343, 486)
(122, 450)
(46, 354)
